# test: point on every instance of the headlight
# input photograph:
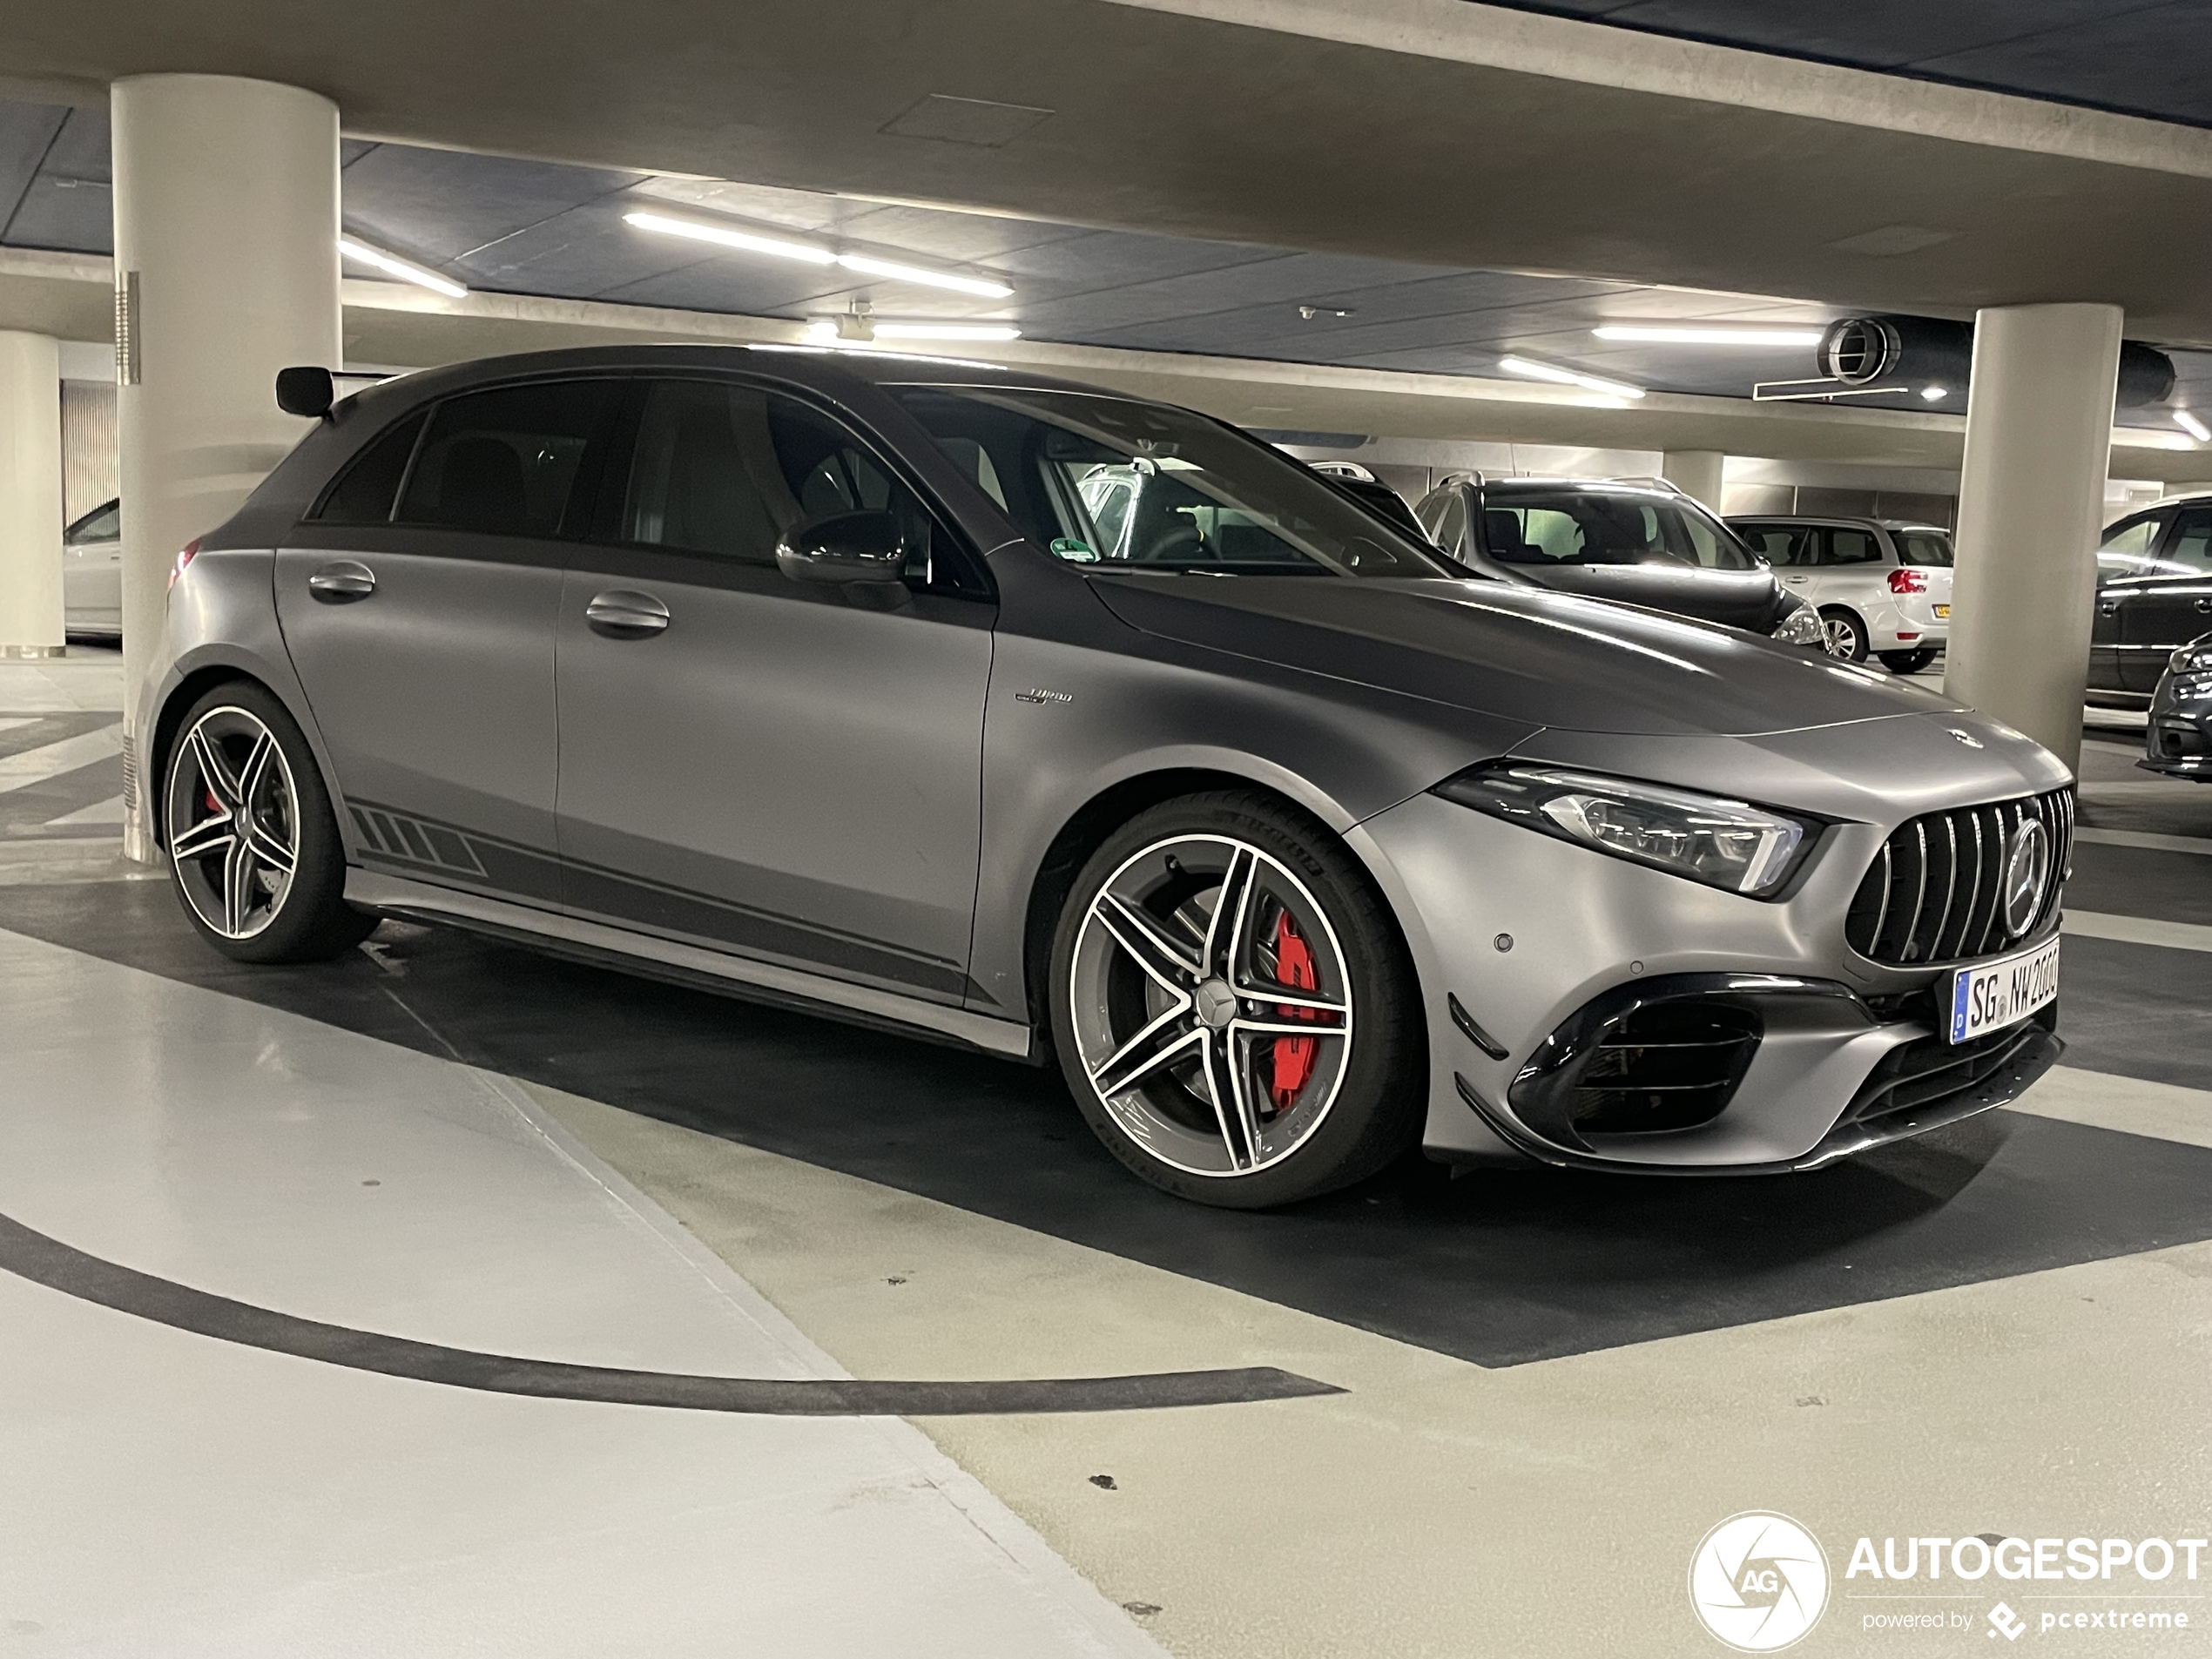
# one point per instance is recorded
(1801, 627)
(2191, 659)
(1727, 843)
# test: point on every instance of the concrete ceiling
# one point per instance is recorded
(1427, 132)
(2135, 56)
(503, 225)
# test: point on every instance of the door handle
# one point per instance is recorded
(2204, 603)
(2108, 607)
(341, 582)
(623, 613)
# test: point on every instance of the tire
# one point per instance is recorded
(239, 756)
(1142, 989)
(1844, 634)
(1908, 662)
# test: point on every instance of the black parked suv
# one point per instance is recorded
(2154, 597)
(1637, 541)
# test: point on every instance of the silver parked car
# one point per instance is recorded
(92, 574)
(1882, 585)
(1072, 727)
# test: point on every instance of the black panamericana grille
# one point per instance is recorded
(1935, 892)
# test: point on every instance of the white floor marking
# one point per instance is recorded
(2148, 839)
(51, 759)
(2138, 930)
(26, 720)
(2167, 1112)
(271, 1505)
(100, 812)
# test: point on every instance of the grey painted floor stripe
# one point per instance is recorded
(62, 1267)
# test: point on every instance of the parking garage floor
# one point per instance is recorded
(392, 1306)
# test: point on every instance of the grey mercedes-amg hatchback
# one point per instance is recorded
(1073, 727)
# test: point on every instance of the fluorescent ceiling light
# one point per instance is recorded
(727, 236)
(1935, 393)
(406, 270)
(1705, 335)
(2194, 426)
(931, 279)
(946, 331)
(1567, 377)
(807, 253)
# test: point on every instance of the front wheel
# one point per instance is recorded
(252, 843)
(1233, 1007)
(1907, 662)
(1843, 635)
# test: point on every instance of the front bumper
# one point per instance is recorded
(1530, 949)
(1795, 1035)
(2178, 739)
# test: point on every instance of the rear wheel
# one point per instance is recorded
(252, 843)
(1907, 662)
(1843, 635)
(1233, 1007)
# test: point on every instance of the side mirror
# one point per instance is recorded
(305, 390)
(864, 548)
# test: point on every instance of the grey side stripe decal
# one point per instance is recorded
(48, 1261)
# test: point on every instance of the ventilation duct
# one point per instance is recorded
(1903, 353)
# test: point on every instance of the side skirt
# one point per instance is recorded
(604, 947)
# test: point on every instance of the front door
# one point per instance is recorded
(2124, 558)
(423, 632)
(783, 770)
(2173, 603)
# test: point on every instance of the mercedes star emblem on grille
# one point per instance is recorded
(2026, 868)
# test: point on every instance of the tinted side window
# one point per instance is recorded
(103, 523)
(1779, 544)
(364, 492)
(705, 477)
(1852, 547)
(2126, 550)
(826, 470)
(2189, 551)
(508, 462)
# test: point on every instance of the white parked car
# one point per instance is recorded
(92, 573)
(1882, 585)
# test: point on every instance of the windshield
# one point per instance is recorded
(1110, 481)
(1923, 547)
(1602, 528)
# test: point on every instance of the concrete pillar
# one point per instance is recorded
(1697, 471)
(30, 496)
(2031, 500)
(226, 219)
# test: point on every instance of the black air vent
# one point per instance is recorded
(1668, 1066)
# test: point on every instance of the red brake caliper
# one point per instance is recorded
(1293, 1056)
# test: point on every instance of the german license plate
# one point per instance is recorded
(1999, 993)
(1943, 613)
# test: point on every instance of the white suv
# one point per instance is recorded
(1881, 585)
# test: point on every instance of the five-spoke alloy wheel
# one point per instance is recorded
(1230, 1003)
(250, 838)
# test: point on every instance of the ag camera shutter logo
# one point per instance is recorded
(1759, 1582)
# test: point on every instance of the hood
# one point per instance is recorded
(1521, 654)
(1737, 599)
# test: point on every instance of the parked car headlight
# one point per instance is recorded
(2193, 658)
(1729, 844)
(1801, 627)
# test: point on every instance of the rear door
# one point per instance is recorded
(2172, 604)
(789, 771)
(419, 603)
(2124, 558)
